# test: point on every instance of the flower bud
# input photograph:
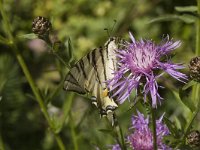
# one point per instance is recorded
(195, 69)
(193, 139)
(41, 26)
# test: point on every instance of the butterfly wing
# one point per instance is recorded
(90, 73)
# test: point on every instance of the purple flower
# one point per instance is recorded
(142, 138)
(138, 62)
(115, 147)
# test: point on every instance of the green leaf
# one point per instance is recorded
(28, 95)
(171, 140)
(186, 147)
(10, 79)
(107, 131)
(164, 18)
(189, 84)
(51, 94)
(185, 98)
(69, 49)
(2, 40)
(66, 109)
(185, 18)
(28, 36)
(186, 8)
(172, 128)
(188, 18)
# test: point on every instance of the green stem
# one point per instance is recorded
(73, 133)
(122, 138)
(6, 22)
(29, 77)
(59, 141)
(116, 129)
(67, 107)
(194, 114)
(53, 51)
(154, 128)
(52, 95)
(196, 88)
(32, 84)
(188, 127)
(2, 147)
(197, 51)
(37, 95)
(61, 60)
(118, 133)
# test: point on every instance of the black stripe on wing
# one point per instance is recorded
(70, 78)
(94, 64)
(77, 67)
(71, 84)
(88, 57)
(81, 63)
(103, 62)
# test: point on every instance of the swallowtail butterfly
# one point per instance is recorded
(89, 74)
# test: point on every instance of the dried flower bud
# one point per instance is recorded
(193, 139)
(41, 26)
(195, 68)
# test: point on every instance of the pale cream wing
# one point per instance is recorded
(90, 73)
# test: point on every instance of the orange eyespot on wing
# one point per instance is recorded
(105, 92)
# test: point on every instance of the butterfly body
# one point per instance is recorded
(90, 73)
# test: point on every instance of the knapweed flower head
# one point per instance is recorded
(193, 139)
(138, 63)
(41, 26)
(142, 137)
(195, 69)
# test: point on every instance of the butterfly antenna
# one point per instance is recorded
(114, 23)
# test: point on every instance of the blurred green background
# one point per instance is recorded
(22, 125)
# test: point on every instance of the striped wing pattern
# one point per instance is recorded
(90, 73)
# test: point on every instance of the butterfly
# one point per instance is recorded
(90, 73)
